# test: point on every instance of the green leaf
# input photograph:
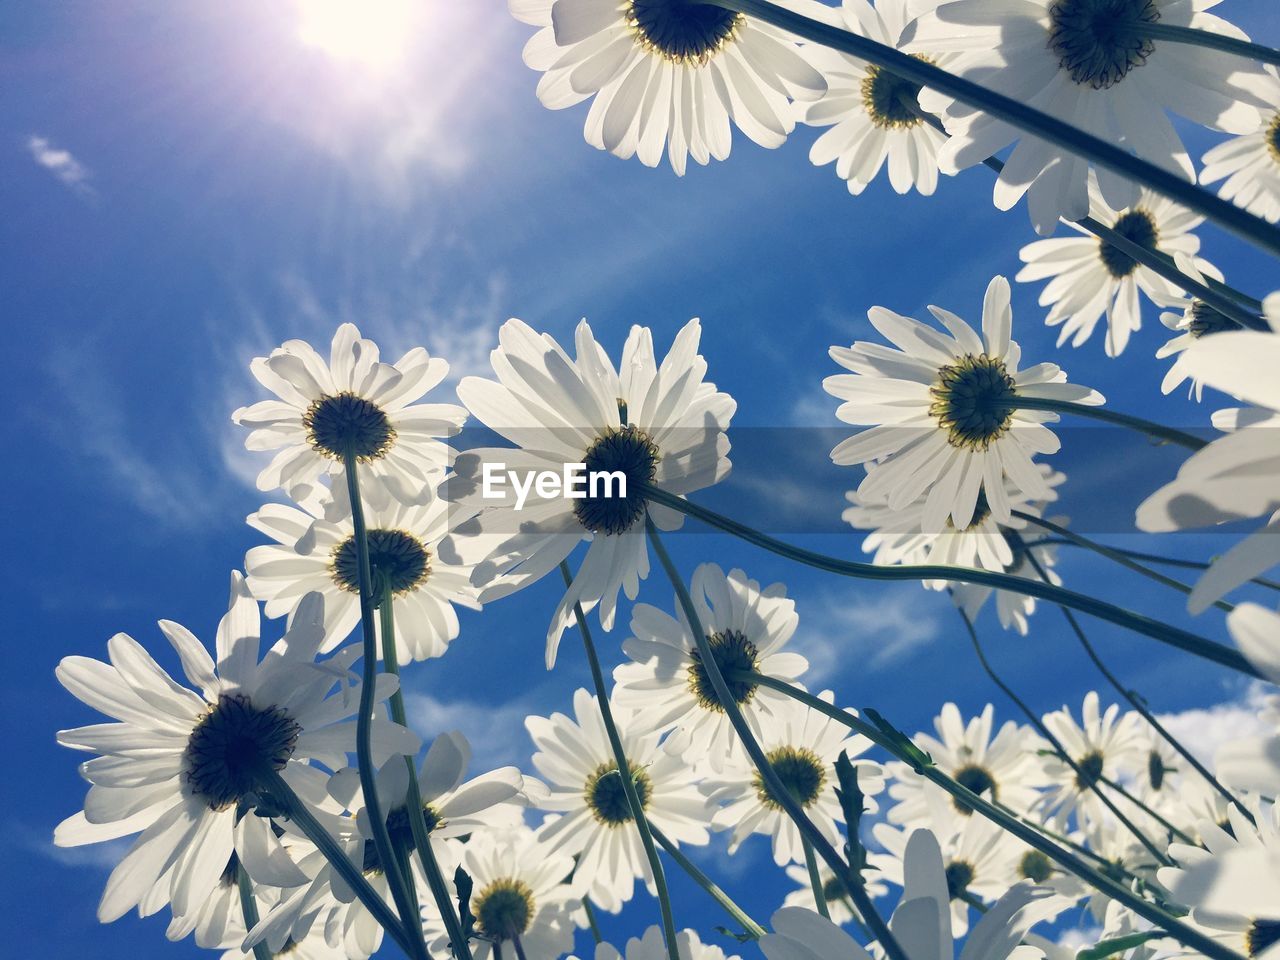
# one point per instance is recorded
(1107, 948)
(464, 884)
(740, 936)
(901, 744)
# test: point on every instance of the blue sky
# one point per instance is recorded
(186, 185)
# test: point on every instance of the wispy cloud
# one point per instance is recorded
(496, 733)
(874, 632)
(59, 162)
(1203, 730)
(100, 856)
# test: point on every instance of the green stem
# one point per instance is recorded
(753, 929)
(1234, 304)
(624, 773)
(1159, 431)
(1124, 792)
(1058, 748)
(1140, 705)
(849, 878)
(1173, 636)
(407, 908)
(515, 941)
(1158, 558)
(1043, 125)
(296, 811)
(591, 920)
(1115, 556)
(815, 878)
(249, 907)
(974, 901)
(1200, 38)
(1064, 858)
(414, 806)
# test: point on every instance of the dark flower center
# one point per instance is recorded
(1035, 866)
(1096, 41)
(607, 796)
(682, 31)
(888, 99)
(397, 561)
(973, 401)
(1090, 771)
(1136, 225)
(1206, 320)
(399, 829)
(1273, 138)
(230, 747)
(504, 908)
(833, 889)
(1262, 935)
(959, 876)
(733, 653)
(976, 779)
(800, 771)
(632, 458)
(345, 424)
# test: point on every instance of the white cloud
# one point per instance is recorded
(100, 856)
(872, 632)
(1203, 730)
(496, 732)
(60, 163)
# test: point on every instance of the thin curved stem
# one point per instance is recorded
(1200, 38)
(515, 941)
(249, 907)
(407, 908)
(1037, 841)
(849, 878)
(1145, 808)
(295, 811)
(1059, 749)
(1156, 430)
(624, 773)
(1233, 304)
(753, 929)
(815, 878)
(1156, 558)
(414, 806)
(1140, 705)
(1173, 636)
(1043, 125)
(1115, 556)
(592, 923)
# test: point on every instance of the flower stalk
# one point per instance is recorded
(752, 929)
(624, 773)
(249, 907)
(1173, 636)
(1252, 228)
(1199, 38)
(815, 878)
(405, 905)
(1150, 428)
(850, 879)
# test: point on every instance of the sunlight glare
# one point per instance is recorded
(371, 32)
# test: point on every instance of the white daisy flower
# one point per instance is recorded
(1190, 320)
(1231, 884)
(666, 73)
(519, 895)
(1014, 609)
(922, 921)
(942, 415)
(314, 946)
(1250, 164)
(1104, 745)
(1002, 769)
(839, 905)
(315, 550)
(651, 946)
(666, 687)
(898, 536)
(575, 757)
(1238, 475)
(353, 404)
(980, 860)
(864, 106)
(180, 763)
(660, 423)
(802, 746)
(1090, 279)
(1055, 56)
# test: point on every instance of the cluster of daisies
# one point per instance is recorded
(674, 73)
(240, 785)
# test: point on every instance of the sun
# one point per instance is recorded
(372, 33)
